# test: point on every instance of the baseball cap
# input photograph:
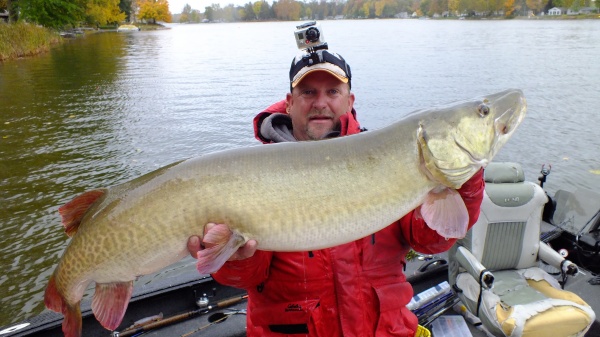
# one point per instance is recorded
(319, 60)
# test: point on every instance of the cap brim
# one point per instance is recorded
(327, 67)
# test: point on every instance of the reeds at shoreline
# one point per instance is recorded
(22, 39)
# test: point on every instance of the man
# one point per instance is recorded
(355, 289)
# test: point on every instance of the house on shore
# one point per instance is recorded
(555, 11)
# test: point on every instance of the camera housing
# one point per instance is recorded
(309, 35)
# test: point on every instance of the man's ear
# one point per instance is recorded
(351, 99)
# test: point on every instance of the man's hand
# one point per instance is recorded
(195, 244)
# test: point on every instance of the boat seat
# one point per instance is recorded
(494, 269)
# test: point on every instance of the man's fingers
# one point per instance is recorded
(208, 227)
(245, 251)
(193, 245)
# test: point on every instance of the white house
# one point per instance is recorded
(554, 11)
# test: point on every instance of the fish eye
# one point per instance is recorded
(483, 109)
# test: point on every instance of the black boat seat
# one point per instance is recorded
(494, 269)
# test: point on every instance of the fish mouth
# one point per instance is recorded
(507, 122)
(476, 161)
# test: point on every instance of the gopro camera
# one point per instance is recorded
(310, 36)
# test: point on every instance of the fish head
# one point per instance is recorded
(457, 140)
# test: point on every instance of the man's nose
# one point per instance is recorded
(320, 101)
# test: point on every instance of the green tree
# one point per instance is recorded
(125, 7)
(217, 12)
(249, 12)
(256, 8)
(230, 13)
(209, 13)
(266, 11)
(195, 16)
(186, 13)
(308, 12)
(576, 5)
(53, 13)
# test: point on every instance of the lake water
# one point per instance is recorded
(109, 107)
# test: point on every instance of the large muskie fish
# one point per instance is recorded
(288, 197)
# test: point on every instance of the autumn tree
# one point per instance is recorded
(453, 6)
(536, 5)
(154, 10)
(509, 8)
(287, 10)
(366, 9)
(102, 12)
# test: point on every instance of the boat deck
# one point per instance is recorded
(172, 297)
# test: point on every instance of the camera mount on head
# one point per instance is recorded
(309, 37)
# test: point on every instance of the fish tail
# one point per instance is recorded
(110, 303)
(71, 325)
(225, 242)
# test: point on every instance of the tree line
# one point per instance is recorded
(59, 14)
(318, 10)
(63, 13)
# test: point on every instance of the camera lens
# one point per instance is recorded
(312, 34)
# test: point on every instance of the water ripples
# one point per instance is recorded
(111, 107)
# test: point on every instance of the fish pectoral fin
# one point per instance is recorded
(445, 212)
(110, 302)
(223, 243)
(71, 325)
(73, 211)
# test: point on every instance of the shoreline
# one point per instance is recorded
(23, 40)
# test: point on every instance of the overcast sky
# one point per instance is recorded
(176, 6)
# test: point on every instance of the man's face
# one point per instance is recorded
(316, 104)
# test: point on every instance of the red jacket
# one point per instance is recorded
(355, 289)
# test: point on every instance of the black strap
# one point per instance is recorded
(480, 290)
(290, 329)
(563, 275)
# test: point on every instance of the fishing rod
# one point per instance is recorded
(136, 330)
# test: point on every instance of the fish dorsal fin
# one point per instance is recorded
(446, 213)
(110, 302)
(73, 211)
